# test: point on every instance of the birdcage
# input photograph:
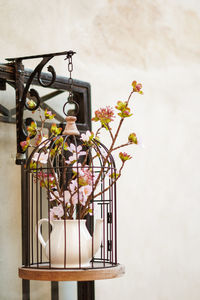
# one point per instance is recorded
(69, 192)
(71, 186)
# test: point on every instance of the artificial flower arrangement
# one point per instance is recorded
(82, 188)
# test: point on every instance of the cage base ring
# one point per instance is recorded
(46, 274)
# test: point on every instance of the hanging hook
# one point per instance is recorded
(72, 112)
(70, 100)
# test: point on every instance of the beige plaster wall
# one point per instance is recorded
(158, 44)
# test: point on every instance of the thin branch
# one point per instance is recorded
(86, 156)
(102, 168)
(46, 186)
(106, 159)
(110, 131)
(130, 97)
(102, 192)
(54, 174)
(42, 122)
(114, 181)
(98, 131)
(123, 145)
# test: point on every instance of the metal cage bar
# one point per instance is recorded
(63, 179)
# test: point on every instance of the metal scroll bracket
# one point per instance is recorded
(23, 92)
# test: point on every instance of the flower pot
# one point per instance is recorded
(71, 243)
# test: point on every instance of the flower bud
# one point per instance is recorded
(132, 138)
(137, 87)
(124, 156)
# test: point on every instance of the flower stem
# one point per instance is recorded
(54, 174)
(105, 161)
(123, 145)
(114, 181)
(110, 131)
(102, 169)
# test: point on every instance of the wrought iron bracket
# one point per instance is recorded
(24, 92)
(21, 79)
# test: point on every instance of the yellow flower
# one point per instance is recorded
(31, 104)
(124, 156)
(49, 115)
(55, 130)
(24, 144)
(121, 105)
(32, 129)
(124, 109)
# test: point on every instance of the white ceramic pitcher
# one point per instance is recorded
(73, 250)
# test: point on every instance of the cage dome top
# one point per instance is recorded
(71, 168)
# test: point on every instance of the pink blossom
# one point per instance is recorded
(67, 196)
(89, 177)
(44, 142)
(76, 153)
(71, 159)
(81, 194)
(85, 191)
(79, 167)
(137, 87)
(46, 179)
(55, 196)
(104, 115)
(72, 148)
(73, 186)
(85, 174)
(56, 211)
(87, 136)
(41, 157)
(25, 144)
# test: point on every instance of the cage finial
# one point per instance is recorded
(71, 128)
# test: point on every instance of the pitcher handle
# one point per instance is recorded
(40, 237)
